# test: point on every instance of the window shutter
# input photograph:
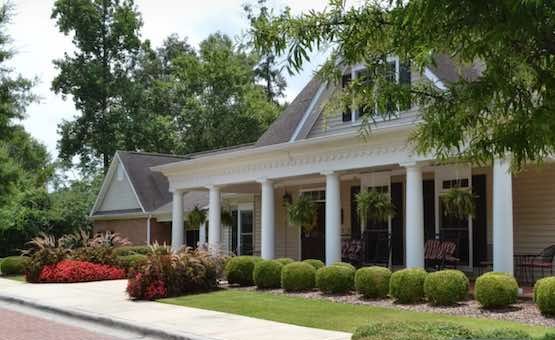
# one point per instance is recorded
(347, 114)
(404, 79)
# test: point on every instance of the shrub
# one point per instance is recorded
(267, 274)
(13, 265)
(239, 270)
(285, 260)
(345, 264)
(446, 287)
(495, 290)
(132, 261)
(68, 271)
(131, 250)
(407, 285)
(544, 295)
(317, 264)
(97, 253)
(334, 279)
(45, 250)
(297, 276)
(372, 282)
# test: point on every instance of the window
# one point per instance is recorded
(315, 195)
(347, 111)
(455, 183)
(245, 241)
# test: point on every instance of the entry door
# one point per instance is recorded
(480, 221)
(313, 244)
(397, 226)
(242, 231)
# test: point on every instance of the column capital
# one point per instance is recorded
(328, 173)
(179, 191)
(264, 180)
(410, 164)
(212, 187)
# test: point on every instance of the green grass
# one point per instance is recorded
(325, 314)
(20, 278)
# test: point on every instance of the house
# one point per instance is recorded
(308, 151)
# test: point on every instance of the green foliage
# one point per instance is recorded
(45, 250)
(495, 290)
(458, 202)
(407, 285)
(372, 282)
(346, 265)
(131, 262)
(334, 279)
(131, 250)
(239, 270)
(226, 217)
(298, 276)
(446, 287)
(196, 217)
(544, 295)
(13, 265)
(302, 213)
(374, 205)
(285, 260)
(317, 264)
(267, 274)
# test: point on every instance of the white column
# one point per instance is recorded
(214, 218)
(202, 234)
(333, 218)
(414, 236)
(502, 217)
(267, 220)
(178, 227)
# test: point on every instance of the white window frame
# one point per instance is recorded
(240, 208)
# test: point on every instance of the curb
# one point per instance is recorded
(105, 321)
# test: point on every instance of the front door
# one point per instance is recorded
(313, 244)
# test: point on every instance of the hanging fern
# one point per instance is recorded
(302, 213)
(196, 217)
(458, 203)
(226, 217)
(374, 205)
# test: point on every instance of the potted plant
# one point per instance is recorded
(374, 205)
(196, 217)
(302, 213)
(226, 217)
(458, 202)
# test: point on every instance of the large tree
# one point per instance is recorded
(97, 75)
(508, 107)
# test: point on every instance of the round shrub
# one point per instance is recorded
(334, 279)
(267, 274)
(131, 250)
(297, 276)
(345, 264)
(132, 261)
(14, 265)
(317, 264)
(372, 282)
(239, 270)
(285, 260)
(544, 295)
(495, 290)
(407, 285)
(446, 287)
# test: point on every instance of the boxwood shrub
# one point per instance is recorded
(494, 290)
(131, 250)
(267, 274)
(372, 282)
(284, 260)
(298, 276)
(345, 264)
(239, 270)
(446, 287)
(407, 285)
(544, 295)
(14, 265)
(317, 264)
(334, 279)
(132, 261)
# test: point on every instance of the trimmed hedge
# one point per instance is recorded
(298, 276)
(132, 261)
(267, 274)
(494, 290)
(544, 295)
(345, 264)
(372, 282)
(239, 270)
(334, 279)
(131, 250)
(14, 265)
(284, 260)
(446, 287)
(407, 285)
(317, 264)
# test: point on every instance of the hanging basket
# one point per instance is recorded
(374, 205)
(196, 218)
(302, 213)
(458, 202)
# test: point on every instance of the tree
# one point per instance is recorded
(106, 36)
(506, 107)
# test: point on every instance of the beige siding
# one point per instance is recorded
(120, 195)
(534, 209)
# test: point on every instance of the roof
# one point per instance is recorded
(446, 69)
(190, 200)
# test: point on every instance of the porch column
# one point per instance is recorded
(267, 220)
(502, 217)
(177, 220)
(333, 218)
(202, 234)
(214, 218)
(414, 236)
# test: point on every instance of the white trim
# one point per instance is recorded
(435, 79)
(131, 184)
(307, 113)
(148, 229)
(121, 216)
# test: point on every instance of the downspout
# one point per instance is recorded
(148, 229)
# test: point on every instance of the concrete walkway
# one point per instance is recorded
(106, 302)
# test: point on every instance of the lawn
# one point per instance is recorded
(20, 278)
(325, 314)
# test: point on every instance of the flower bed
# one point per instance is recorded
(68, 271)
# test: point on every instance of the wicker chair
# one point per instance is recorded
(440, 253)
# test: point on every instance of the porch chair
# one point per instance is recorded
(542, 261)
(440, 253)
(379, 251)
(351, 251)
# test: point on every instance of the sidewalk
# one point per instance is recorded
(106, 302)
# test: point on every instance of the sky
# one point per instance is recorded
(37, 42)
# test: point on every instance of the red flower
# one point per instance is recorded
(79, 271)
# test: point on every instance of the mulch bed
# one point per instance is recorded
(525, 311)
